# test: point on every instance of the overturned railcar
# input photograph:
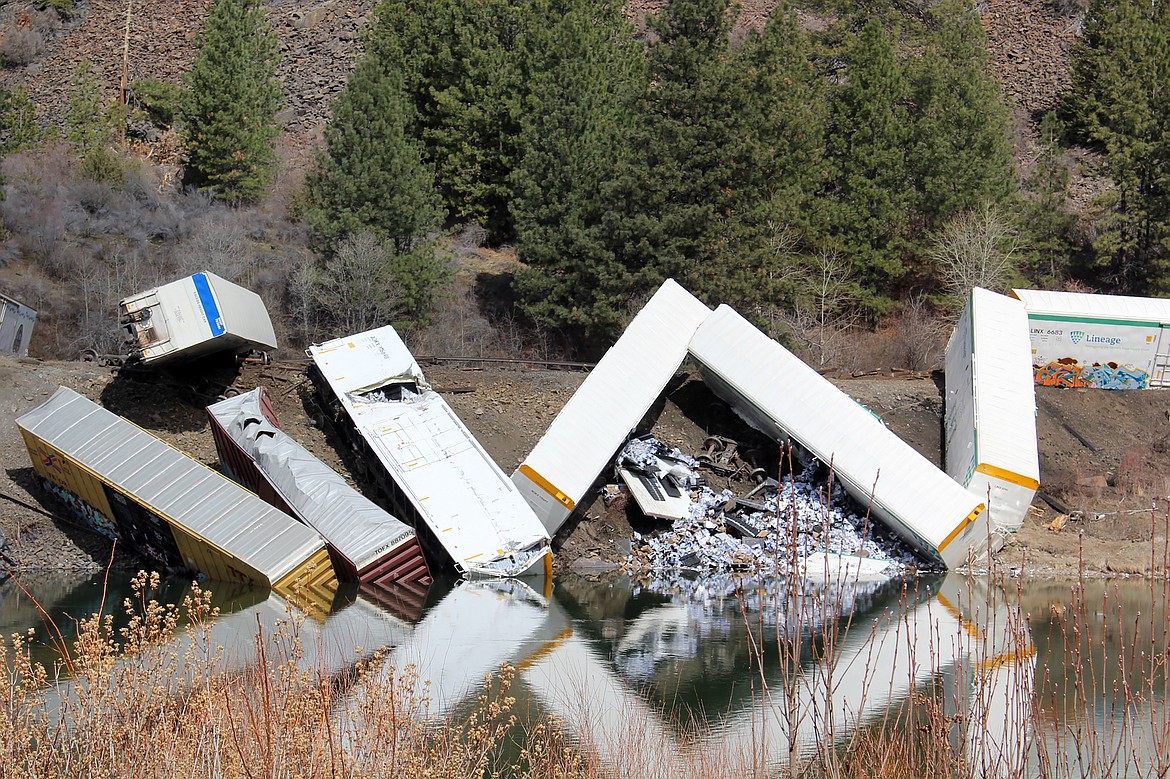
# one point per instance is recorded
(369, 545)
(1098, 341)
(16, 326)
(990, 417)
(193, 317)
(782, 397)
(424, 463)
(612, 400)
(176, 512)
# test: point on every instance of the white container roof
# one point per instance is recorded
(471, 507)
(1119, 309)
(616, 395)
(781, 396)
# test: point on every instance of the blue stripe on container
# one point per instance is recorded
(210, 308)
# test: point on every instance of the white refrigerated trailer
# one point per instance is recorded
(612, 400)
(192, 317)
(16, 326)
(990, 416)
(1100, 341)
(423, 463)
(785, 399)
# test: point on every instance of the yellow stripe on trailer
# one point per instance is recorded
(548, 487)
(1011, 477)
(961, 527)
(312, 585)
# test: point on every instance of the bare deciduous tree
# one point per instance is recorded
(823, 318)
(357, 284)
(976, 249)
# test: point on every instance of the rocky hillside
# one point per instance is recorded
(1029, 42)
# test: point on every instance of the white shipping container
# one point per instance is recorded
(612, 400)
(421, 454)
(16, 326)
(784, 398)
(990, 417)
(1100, 341)
(195, 316)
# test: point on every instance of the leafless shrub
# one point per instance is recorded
(458, 328)
(20, 44)
(822, 321)
(1070, 8)
(473, 236)
(219, 244)
(356, 288)
(918, 336)
(976, 249)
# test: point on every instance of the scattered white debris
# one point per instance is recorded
(798, 520)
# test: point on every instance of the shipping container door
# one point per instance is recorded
(1160, 375)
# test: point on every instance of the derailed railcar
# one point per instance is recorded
(782, 397)
(425, 464)
(612, 400)
(369, 545)
(173, 510)
(990, 414)
(1098, 341)
(193, 317)
(16, 326)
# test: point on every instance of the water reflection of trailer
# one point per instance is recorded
(192, 317)
(368, 544)
(990, 420)
(171, 509)
(612, 400)
(16, 326)
(425, 464)
(1100, 341)
(784, 398)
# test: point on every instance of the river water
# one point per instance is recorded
(1055, 678)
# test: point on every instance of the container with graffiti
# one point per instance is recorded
(1099, 341)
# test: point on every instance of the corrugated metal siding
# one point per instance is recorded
(449, 481)
(219, 527)
(363, 536)
(784, 397)
(615, 396)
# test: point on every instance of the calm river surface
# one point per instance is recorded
(1055, 678)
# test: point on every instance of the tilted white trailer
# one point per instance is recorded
(192, 317)
(612, 400)
(990, 417)
(422, 460)
(785, 399)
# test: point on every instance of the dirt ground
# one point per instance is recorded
(1103, 455)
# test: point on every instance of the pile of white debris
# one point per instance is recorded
(788, 525)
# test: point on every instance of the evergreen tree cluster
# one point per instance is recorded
(734, 164)
(1119, 105)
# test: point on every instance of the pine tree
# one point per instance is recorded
(229, 124)
(784, 126)
(466, 78)
(698, 153)
(959, 148)
(586, 70)
(870, 186)
(1120, 104)
(18, 122)
(372, 179)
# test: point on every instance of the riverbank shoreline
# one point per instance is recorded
(1103, 457)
